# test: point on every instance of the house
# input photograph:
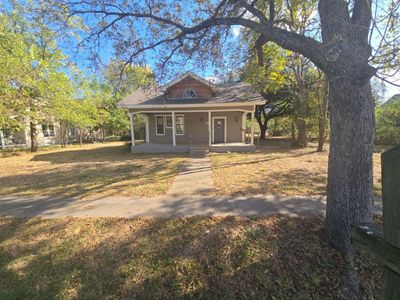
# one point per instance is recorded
(192, 113)
(47, 133)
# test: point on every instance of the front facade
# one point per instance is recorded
(48, 134)
(192, 112)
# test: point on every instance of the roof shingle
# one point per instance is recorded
(228, 93)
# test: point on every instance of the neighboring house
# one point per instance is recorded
(192, 113)
(48, 134)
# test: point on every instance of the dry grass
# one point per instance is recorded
(173, 258)
(87, 172)
(276, 169)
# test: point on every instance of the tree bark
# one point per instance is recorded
(323, 117)
(80, 137)
(274, 132)
(263, 131)
(350, 185)
(2, 141)
(34, 136)
(302, 133)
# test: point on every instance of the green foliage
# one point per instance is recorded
(34, 83)
(388, 122)
(268, 78)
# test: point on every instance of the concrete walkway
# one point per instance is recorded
(259, 205)
(195, 178)
(188, 196)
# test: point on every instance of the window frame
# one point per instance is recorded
(185, 96)
(163, 123)
(47, 132)
(166, 122)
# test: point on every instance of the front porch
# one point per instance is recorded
(166, 148)
(217, 130)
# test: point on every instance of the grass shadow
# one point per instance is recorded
(172, 258)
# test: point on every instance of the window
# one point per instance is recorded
(190, 94)
(71, 131)
(160, 128)
(180, 126)
(48, 130)
(169, 122)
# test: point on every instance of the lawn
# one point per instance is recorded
(276, 168)
(173, 258)
(88, 172)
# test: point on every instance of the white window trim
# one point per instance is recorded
(48, 133)
(183, 122)
(164, 127)
(212, 130)
(189, 90)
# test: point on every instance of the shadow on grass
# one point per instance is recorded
(105, 171)
(172, 258)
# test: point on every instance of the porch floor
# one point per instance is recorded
(166, 148)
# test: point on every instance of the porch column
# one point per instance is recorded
(252, 128)
(132, 129)
(146, 126)
(209, 128)
(244, 127)
(173, 129)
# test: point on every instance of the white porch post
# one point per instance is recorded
(209, 128)
(244, 127)
(146, 124)
(252, 127)
(173, 129)
(132, 129)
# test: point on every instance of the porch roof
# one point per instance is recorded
(238, 93)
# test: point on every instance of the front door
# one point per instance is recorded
(219, 130)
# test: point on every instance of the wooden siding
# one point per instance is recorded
(177, 90)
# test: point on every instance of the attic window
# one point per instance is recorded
(189, 94)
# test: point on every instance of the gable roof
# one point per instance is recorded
(238, 93)
(185, 75)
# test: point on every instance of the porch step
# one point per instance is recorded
(199, 149)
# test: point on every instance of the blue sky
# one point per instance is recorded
(107, 53)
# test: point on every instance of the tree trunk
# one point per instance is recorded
(274, 132)
(302, 133)
(263, 131)
(80, 137)
(301, 120)
(34, 137)
(2, 141)
(323, 117)
(350, 185)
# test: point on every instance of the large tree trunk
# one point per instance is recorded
(302, 133)
(350, 186)
(34, 136)
(323, 117)
(263, 131)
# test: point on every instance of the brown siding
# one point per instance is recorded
(177, 90)
(196, 128)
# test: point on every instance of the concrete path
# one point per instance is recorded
(195, 178)
(188, 196)
(259, 205)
